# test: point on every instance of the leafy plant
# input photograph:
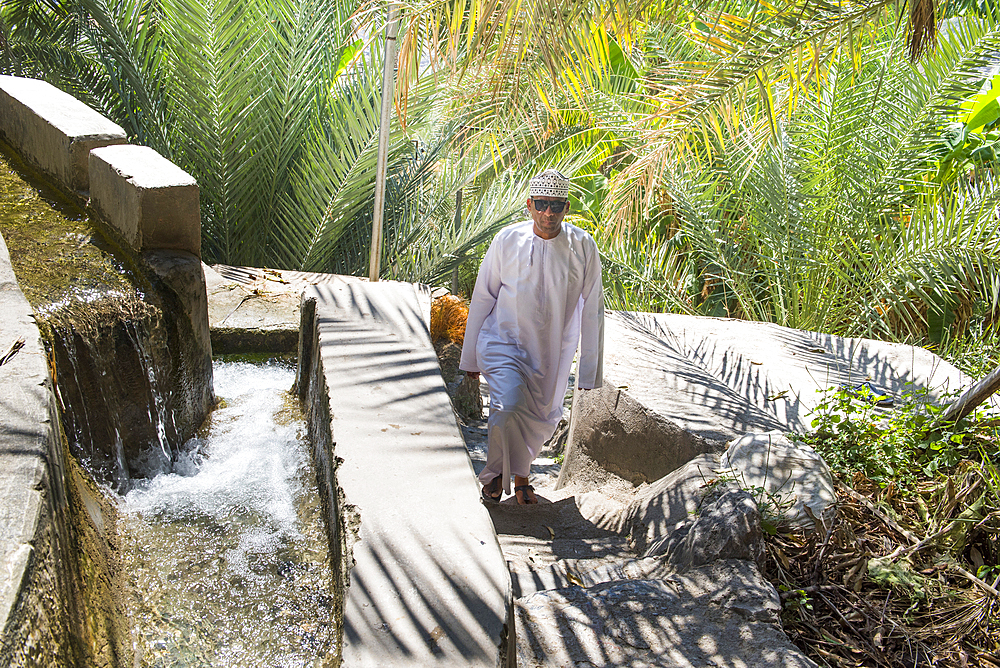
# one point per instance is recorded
(896, 447)
(794, 600)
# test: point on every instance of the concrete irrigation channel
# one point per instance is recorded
(642, 552)
(417, 575)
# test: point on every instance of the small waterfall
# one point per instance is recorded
(113, 370)
(203, 551)
(119, 347)
(227, 554)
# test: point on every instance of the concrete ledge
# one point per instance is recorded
(254, 310)
(181, 286)
(427, 583)
(147, 199)
(677, 386)
(52, 130)
(32, 500)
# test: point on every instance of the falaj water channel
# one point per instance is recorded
(131, 538)
(209, 552)
(228, 554)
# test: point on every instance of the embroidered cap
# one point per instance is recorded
(549, 183)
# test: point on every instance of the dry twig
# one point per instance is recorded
(14, 347)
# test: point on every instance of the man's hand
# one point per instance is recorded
(472, 374)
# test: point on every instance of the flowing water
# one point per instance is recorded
(223, 542)
(116, 357)
(228, 554)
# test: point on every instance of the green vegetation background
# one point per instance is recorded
(781, 161)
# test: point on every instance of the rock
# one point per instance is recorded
(467, 399)
(670, 501)
(556, 444)
(182, 287)
(797, 482)
(795, 478)
(626, 438)
(721, 614)
(728, 528)
(677, 386)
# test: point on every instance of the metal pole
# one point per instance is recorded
(388, 89)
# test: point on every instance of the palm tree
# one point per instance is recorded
(777, 161)
(271, 104)
(772, 161)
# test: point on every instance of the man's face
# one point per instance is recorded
(547, 222)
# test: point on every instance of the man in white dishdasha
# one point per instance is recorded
(537, 296)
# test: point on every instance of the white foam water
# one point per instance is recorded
(228, 552)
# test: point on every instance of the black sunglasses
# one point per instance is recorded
(543, 204)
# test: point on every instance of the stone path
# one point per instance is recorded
(628, 560)
(582, 598)
(589, 587)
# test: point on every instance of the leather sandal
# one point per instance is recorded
(524, 489)
(493, 486)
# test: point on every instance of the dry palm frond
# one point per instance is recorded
(923, 28)
(879, 596)
(448, 316)
(14, 347)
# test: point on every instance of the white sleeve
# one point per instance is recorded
(590, 368)
(484, 299)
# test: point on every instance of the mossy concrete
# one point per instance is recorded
(50, 548)
(32, 496)
(61, 585)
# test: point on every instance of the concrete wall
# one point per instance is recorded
(32, 496)
(424, 580)
(57, 581)
(57, 574)
(53, 131)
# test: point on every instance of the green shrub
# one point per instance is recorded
(895, 446)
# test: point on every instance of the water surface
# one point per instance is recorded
(228, 553)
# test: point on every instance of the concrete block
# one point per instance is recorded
(149, 200)
(254, 310)
(52, 130)
(427, 582)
